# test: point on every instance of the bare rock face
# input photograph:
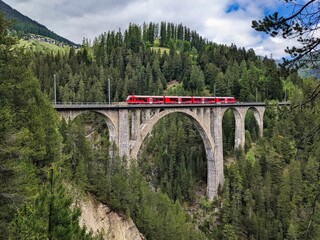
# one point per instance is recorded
(100, 220)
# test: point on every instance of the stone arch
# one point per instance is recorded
(147, 128)
(204, 131)
(71, 115)
(239, 115)
(258, 113)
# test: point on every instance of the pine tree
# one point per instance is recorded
(49, 215)
(29, 136)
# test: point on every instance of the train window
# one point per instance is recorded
(158, 99)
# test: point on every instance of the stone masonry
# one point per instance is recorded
(128, 127)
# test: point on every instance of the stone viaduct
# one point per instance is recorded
(129, 125)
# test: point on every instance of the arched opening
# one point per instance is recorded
(252, 131)
(88, 150)
(270, 119)
(98, 129)
(173, 158)
(228, 132)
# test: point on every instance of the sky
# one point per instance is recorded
(220, 21)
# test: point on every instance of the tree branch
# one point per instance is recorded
(314, 94)
(297, 13)
(314, 204)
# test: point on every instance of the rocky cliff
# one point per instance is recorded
(99, 219)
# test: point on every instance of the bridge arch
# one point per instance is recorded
(258, 113)
(147, 128)
(204, 131)
(240, 114)
(71, 115)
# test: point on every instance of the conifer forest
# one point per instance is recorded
(272, 186)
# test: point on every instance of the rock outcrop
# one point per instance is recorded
(99, 219)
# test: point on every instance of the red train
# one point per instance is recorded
(140, 99)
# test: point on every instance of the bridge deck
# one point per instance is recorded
(100, 106)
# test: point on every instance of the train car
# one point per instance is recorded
(221, 100)
(198, 100)
(171, 100)
(141, 99)
(177, 99)
(210, 100)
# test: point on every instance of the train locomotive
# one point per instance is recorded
(142, 99)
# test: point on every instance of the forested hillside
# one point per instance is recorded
(272, 187)
(33, 203)
(133, 66)
(24, 26)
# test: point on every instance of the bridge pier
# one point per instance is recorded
(216, 131)
(123, 133)
(239, 137)
(258, 114)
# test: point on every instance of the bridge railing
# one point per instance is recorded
(88, 103)
(112, 105)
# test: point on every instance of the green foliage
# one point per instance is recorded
(29, 133)
(178, 167)
(48, 215)
(124, 189)
(157, 216)
(269, 192)
(228, 232)
(32, 46)
(194, 83)
(251, 125)
(174, 160)
(228, 131)
(136, 66)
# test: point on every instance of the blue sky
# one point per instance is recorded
(220, 21)
(233, 7)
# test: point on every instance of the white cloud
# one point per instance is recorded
(274, 47)
(76, 19)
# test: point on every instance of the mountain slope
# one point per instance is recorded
(25, 25)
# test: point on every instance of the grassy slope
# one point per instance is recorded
(38, 46)
(162, 49)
